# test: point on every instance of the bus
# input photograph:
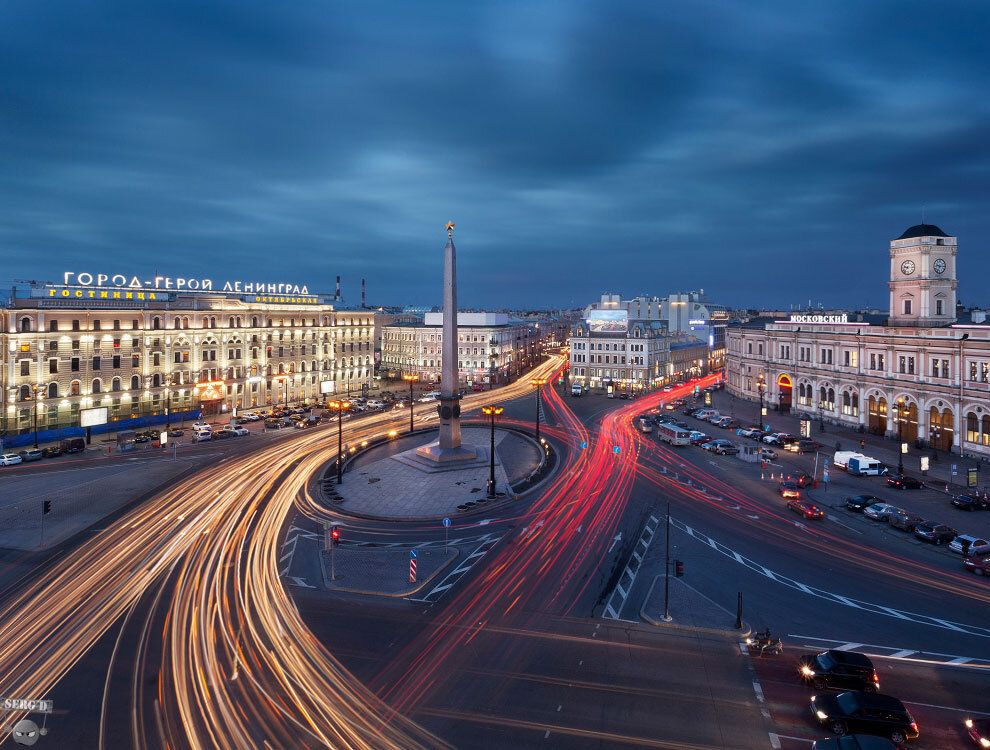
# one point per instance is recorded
(673, 434)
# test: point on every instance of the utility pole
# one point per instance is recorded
(666, 572)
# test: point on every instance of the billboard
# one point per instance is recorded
(94, 417)
(326, 386)
(608, 321)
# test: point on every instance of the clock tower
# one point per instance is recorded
(923, 278)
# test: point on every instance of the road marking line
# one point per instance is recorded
(902, 653)
(610, 612)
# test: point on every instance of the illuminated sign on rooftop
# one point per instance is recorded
(178, 283)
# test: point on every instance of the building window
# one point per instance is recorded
(74, 364)
(74, 388)
(53, 325)
(907, 307)
(97, 385)
(939, 307)
(96, 363)
(25, 367)
(116, 362)
(972, 428)
(53, 366)
(53, 390)
(135, 383)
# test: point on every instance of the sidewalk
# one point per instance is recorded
(883, 449)
(689, 610)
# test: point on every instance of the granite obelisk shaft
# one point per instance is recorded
(450, 408)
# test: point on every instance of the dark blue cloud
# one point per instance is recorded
(760, 150)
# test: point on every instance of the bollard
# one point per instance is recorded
(739, 611)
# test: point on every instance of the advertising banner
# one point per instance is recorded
(608, 321)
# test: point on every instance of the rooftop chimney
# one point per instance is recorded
(362, 293)
(336, 295)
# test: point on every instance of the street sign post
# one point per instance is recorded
(412, 566)
(446, 527)
(616, 450)
(584, 445)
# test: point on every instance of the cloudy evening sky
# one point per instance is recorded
(766, 151)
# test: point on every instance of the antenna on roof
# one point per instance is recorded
(922, 214)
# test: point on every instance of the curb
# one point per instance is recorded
(746, 631)
(397, 595)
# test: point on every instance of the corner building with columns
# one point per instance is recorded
(143, 351)
(920, 371)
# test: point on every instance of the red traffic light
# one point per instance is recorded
(678, 568)
(335, 534)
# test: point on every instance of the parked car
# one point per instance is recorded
(202, 426)
(963, 543)
(768, 454)
(697, 438)
(839, 670)
(880, 511)
(479, 387)
(32, 454)
(904, 521)
(9, 459)
(806, 509)
(936, 533)
(235, 430)
(789, 489)
(854, 742)
(141, 438)
(860, 502)
(201, 436)
(223, 435)
(750, 432)
(776, 438)
(864, 713)
(971, 502)
(274, 423)
(724, 447)
(52, 451)
(72, 445)
(803, 446)
(176, 432)
(978, 564)
(904, 482)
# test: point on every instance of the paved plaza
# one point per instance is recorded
(380, 485)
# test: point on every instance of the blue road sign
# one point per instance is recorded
(584, 444)
(826, 463)
(616, 449)
(412, 554)
(825, 477)
(446, 522)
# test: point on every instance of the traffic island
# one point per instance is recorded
(382, 571)
(689, 610)
(381, 483)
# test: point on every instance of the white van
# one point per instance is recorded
(705, 413)
(841, 458)
(865, 466)
(576, 389)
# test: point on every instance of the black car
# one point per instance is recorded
(223, 435)
(840, 670)
(864, 713)
(854, 742)
(141, 438)
(51, 451)
(904, 482)
(861, 501)
(175, 432)
(971, 502)
(936, 533)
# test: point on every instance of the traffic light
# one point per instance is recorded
(46, 507)
(335, 535)
(678, 568)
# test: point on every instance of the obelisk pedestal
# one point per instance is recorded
(447, 448)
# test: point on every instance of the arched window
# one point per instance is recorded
(115, 384)
(135, 383)
(74, 388)
(156, 323)
(25, 324)
(97, 386)
(230, 322)
(156, 380)
(25, 393)
(254, 322)
(985, 438)
(53, 390)
(972, 428)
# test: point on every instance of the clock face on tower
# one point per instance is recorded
(907, 267)
(939, 266)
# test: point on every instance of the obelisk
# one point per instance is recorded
(448, 446)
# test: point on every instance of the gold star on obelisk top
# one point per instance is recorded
(449, 226)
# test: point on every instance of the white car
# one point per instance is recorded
(236, 430)
(252, 417)
(375, 404)
(200, 426)
(880, 511)
(201, 436)
(429, 397)
(9, 459)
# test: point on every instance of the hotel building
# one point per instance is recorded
(141, 350)
(919, 371)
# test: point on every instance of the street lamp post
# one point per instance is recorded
(410, 378)
(37, 388)
(539, 383)
(761, 388)
(341, 407)
(491, 411)
(899, 406)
